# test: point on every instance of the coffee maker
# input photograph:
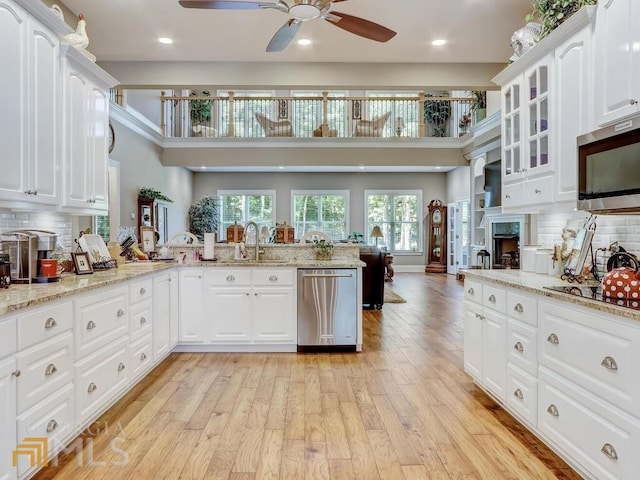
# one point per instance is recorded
(26, 248)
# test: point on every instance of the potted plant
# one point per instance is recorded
(552, 13)
(203, 217)
(152, 193)
(464, 123)
(323, 249)
(478, 105)
(200, 109)
(437, 113)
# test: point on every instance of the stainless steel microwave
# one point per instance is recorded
(609, 169)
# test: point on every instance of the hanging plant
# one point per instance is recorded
(203, 217)
(146, 192)
(437, 113)
(552, 13)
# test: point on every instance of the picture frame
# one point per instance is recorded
(148, 239)
(82, 263)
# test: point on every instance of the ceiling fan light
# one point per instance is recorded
(439, 42)
(304, 41)
(304, 11)
(165, 40)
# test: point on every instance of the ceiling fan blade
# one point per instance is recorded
(283, 37)
(224, 5)
(322, 3)
(360, 26)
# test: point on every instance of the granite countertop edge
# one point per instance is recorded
(534, 283)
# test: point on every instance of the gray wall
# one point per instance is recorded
(433, 185)
(458, 184)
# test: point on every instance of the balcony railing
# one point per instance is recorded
(316, 116)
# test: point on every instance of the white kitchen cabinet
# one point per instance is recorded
(617, 60)
(274, 315)
(30, 115)
(174, 320)
(192, 327)
(162, 307)
(86, 127)
(473, 340)
(228, 317)
(8, 439)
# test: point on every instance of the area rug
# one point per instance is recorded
(392, 297)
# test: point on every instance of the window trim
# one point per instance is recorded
(420, 219)
(232, 192)
(346, 193)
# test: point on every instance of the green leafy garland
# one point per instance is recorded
(146, 192)
(551, 13)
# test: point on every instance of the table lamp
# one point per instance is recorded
(399, 126)
(376, 233)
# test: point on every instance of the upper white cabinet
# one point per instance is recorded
(86, 126)
(544, 110)
(30, 118)
(617, 56)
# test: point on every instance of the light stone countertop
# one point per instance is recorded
(17, 296)
(534, 283)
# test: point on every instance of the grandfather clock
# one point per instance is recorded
(437, 238)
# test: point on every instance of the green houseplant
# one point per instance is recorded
(479, 104)
(437, 113)
(203, 217)
(323, 249)
(146, 192)
(200, 109)
(552, 13)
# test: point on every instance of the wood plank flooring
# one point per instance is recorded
(401, 409)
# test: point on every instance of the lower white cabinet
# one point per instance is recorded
(162, 310)
(8, 439)
(174, 320)
(191, 305)
(473, 346)
(141, 359)
(228, 317)
(274, 315)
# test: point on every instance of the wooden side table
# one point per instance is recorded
(388, 263)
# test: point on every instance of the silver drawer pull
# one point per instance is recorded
(518, 308)
(50, 323)
(553, 410)
(553, 339)
(120, 312)
(537, 191)
(143, 357)
(91, 325)
(142, 291)
(17, 373)
(492, 298)
(273, 278)
(50, 370)
(92, 387)
(230, 278)
(609, 362)
(518, 347)
(471, 291)
(143, 320)
(518, 394)
(609, 451)
(507, 195)
(479, 317)
(121, 367)
(51, 426)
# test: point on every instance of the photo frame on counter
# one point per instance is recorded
(148, 239)
(81, 263)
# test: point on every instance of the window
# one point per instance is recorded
(405, 106)
(244, 119)
(244, 206)
(307, 114)
(326, 211)
(398, 213)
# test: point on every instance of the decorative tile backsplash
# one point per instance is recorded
(59, 223)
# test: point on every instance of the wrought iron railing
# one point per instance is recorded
(316, 116)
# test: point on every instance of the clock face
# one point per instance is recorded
(112, 138)
(436, 216)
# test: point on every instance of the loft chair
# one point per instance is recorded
(281, 128)
(371, 128)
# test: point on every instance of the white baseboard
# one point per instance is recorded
(408, 268)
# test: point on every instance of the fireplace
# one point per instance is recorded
(505, 235)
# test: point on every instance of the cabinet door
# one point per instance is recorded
(161, 316)
(191, 304)
(228, 314)
(8, 438)
(76, 134)
(512, 131)
(174, 326)
(617, 60)
(274, 315)
(537, 123)
(494, 354)
(98, 149)
(473, 343)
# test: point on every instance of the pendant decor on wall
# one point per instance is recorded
(283, 109)
(355, 110)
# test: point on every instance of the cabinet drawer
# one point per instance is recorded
(596, 351)
(495, 298)
(512, 195)
(141, 356)
(52, 419)
(140, 290)
(473, 290)
(44, 369)
(522, 346)
(44, 323)
(587, 429)
(100, 319)
(522, 395)
(273, 276)
(100, 377)
(141, 319)
(538, 191)
(8, 337)
(230, 277)
(522, 307)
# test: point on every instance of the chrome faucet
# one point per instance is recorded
(257, 245)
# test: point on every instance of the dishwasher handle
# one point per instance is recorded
(327, 275)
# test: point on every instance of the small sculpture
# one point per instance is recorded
(79, 38)
(524, 38)
(58, 11)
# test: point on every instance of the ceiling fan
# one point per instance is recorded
(300, 11)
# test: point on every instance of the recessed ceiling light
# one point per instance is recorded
(165, 40)
(304, 41)
(438, 168)
(203, 168)
(439, 42)
(281, 167)
(361, 167)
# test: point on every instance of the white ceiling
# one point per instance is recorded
(477, 31)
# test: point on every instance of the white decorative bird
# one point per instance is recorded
(79, 39)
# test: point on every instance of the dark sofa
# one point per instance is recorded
(373, 276)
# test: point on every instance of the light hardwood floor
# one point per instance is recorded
(401, 409)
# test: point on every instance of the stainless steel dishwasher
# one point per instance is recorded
(327, 309)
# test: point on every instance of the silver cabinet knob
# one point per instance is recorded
(471, 291)
(633, 101)
(142, 291)
(492, 298)
(231, 278)
(553, 410)
(120, 312)
(17, 373)
(51, 426)
(143, 357)
(92, 387)
(143, 320)
(507, 195)
(609, 451)
(255, 294)
(518, 394)
(537, 191)
(518, 346)
(50, 323)
(50, 370)
(91, 325)
(519, 308)
(553, 339)
(273, 278)
(609, 363)
(121, 367)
